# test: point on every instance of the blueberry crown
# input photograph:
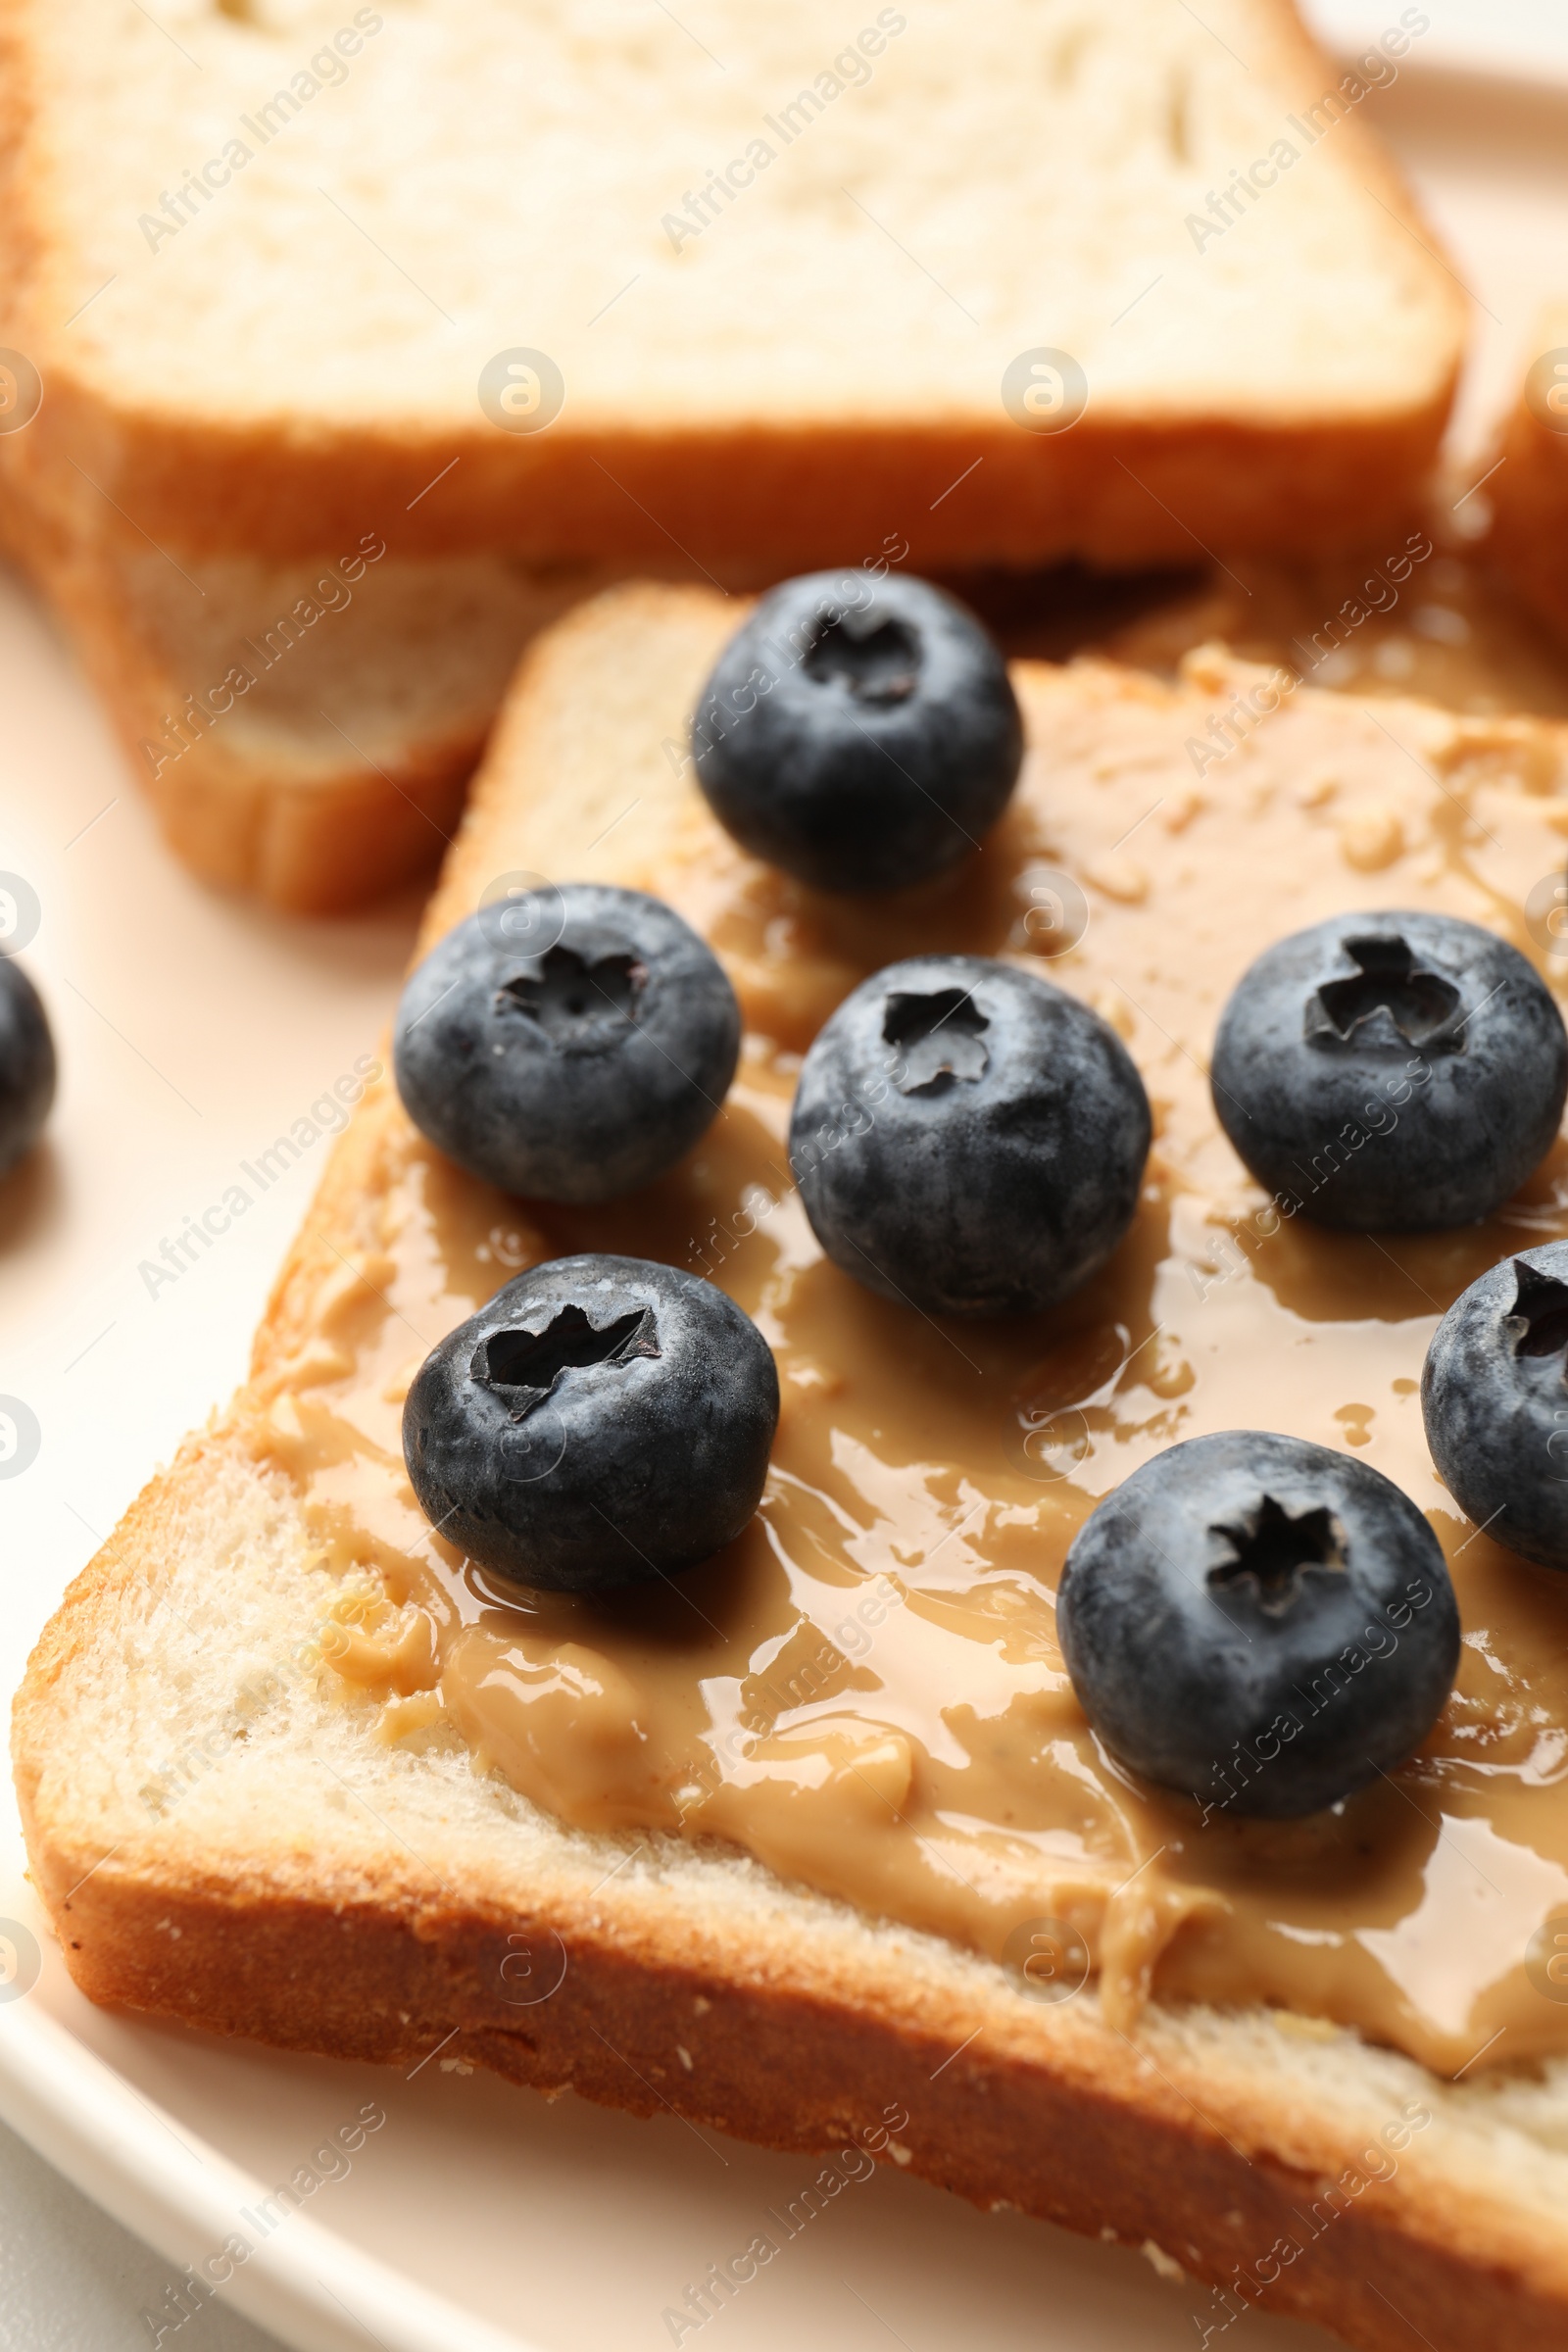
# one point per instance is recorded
(878, 664)
(1393, 999)
(1539, 1323)
(1271, 1550)
(522, 1367)
(940, 1035)
(580, 1002)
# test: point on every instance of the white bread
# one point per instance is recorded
(260, 268)
(338, 771)
(312, 1885)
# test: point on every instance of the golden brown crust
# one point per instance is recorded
(793, 2068)
(769, 501)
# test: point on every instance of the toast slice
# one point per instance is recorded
(744, 280)
(306, 732)
(229, 1824)
(1528, 481)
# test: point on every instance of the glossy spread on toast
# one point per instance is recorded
(866, 1691)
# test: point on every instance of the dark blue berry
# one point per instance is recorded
(1494, 1394)
(862, 734)
(26, 1065)
(1390, 1070)
(602, 1421)
(1260, 1622)
(968, 1138)
(580, 1070)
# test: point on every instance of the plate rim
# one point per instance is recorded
(83, 2117)
(183, 2195)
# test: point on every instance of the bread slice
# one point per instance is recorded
(306, 731)
(1526, 479)
(785, 284)
(224, 1830)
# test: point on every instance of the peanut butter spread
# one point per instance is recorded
(866, 1691)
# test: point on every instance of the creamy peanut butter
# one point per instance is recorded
(865, 1691)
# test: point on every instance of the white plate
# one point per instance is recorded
(192, 1031)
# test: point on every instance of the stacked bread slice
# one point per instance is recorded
(306, 730)
(738, 293)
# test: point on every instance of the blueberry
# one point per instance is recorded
(968, 1138)
(602, 1421)
(579, 1071)
(26, 1065)
(1259, 1621)
(1494, 1394)
(862, 734)
(1395, 1070)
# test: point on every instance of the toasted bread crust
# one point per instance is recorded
(1118, 494)
(793, 2068)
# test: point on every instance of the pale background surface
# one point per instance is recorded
(70, 2279)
